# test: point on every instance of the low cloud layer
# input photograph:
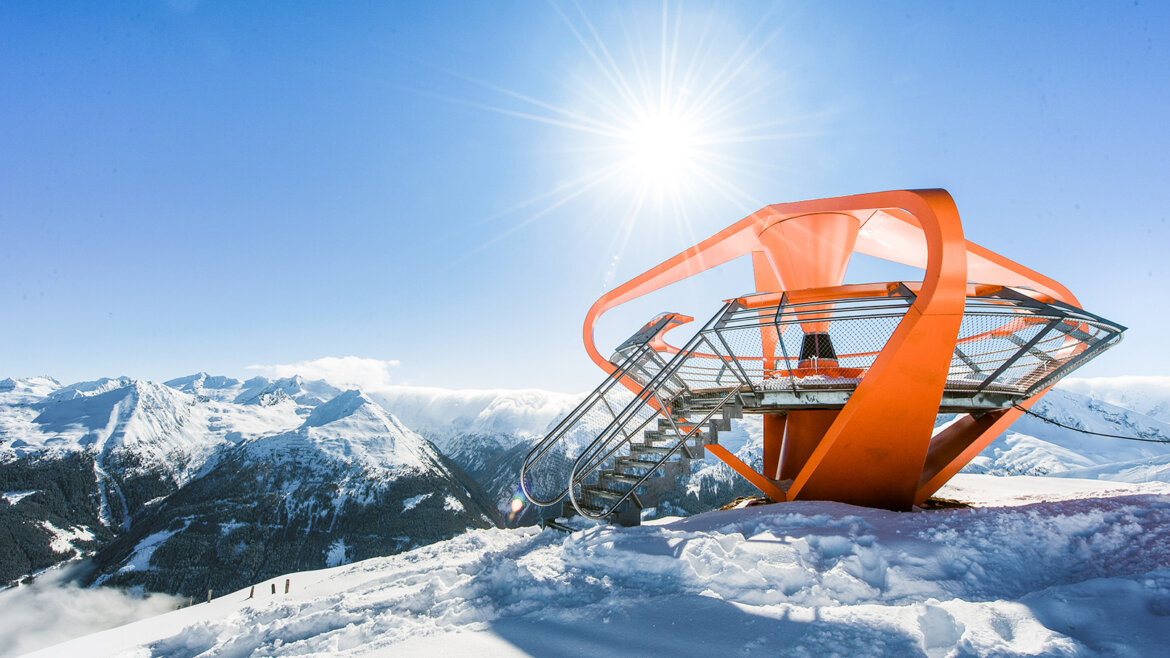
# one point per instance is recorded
(52, 610)
(344, 372)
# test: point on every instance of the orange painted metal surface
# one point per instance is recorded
(877, 449)
(802, 434)
(773, 443)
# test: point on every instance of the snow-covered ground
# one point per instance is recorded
(1040, 566)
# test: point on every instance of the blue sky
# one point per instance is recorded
(211, 186)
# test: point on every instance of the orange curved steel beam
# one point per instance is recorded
(875, 451)
(887, 232)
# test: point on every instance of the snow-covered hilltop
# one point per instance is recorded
(1042, 566)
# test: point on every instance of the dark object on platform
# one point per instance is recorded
(817, 346)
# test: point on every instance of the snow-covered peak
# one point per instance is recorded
(16, 391)
(221, 388)
(304, 392)
(201, 381)
(1146, 395)
(90, 388)
(343, 406)
(155, 426)
(351, 430)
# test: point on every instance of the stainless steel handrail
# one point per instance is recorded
(641, 400)
(558, 433)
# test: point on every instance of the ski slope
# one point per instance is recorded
(1047, 566)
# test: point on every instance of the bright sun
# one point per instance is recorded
(662, 150)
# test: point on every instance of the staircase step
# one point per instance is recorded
(664, 425)
(651, 437)
(601, 492)
(635, 462)
(620, 477)
(643, 449)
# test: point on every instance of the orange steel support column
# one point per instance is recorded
(773, 440)
(874, 452)
(955, 447)
(804, 431)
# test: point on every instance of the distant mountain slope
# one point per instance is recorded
(1033, 447)
(350, 483)
(84, 463)
(50, 511)
(101, 451)
(486, 432)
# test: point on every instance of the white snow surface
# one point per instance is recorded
(139, 560)
(1042, 566)
(413, 501)
(14, 497)
(337, 553)
(13, 391)
(63, 539)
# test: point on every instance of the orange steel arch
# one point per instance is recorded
(877, 450)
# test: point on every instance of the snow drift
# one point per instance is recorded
(1043, 566)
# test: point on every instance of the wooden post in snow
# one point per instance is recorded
(286, 585)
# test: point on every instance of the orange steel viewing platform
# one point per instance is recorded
(850, 379)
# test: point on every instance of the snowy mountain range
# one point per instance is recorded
(196, 484)
(207, 481)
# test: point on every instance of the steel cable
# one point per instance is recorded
(1082, 431)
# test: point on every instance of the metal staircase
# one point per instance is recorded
(632, 477)
(638, 443)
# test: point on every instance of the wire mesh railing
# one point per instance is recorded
(1012, 345)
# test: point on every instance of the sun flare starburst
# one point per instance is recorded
(660, 118)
